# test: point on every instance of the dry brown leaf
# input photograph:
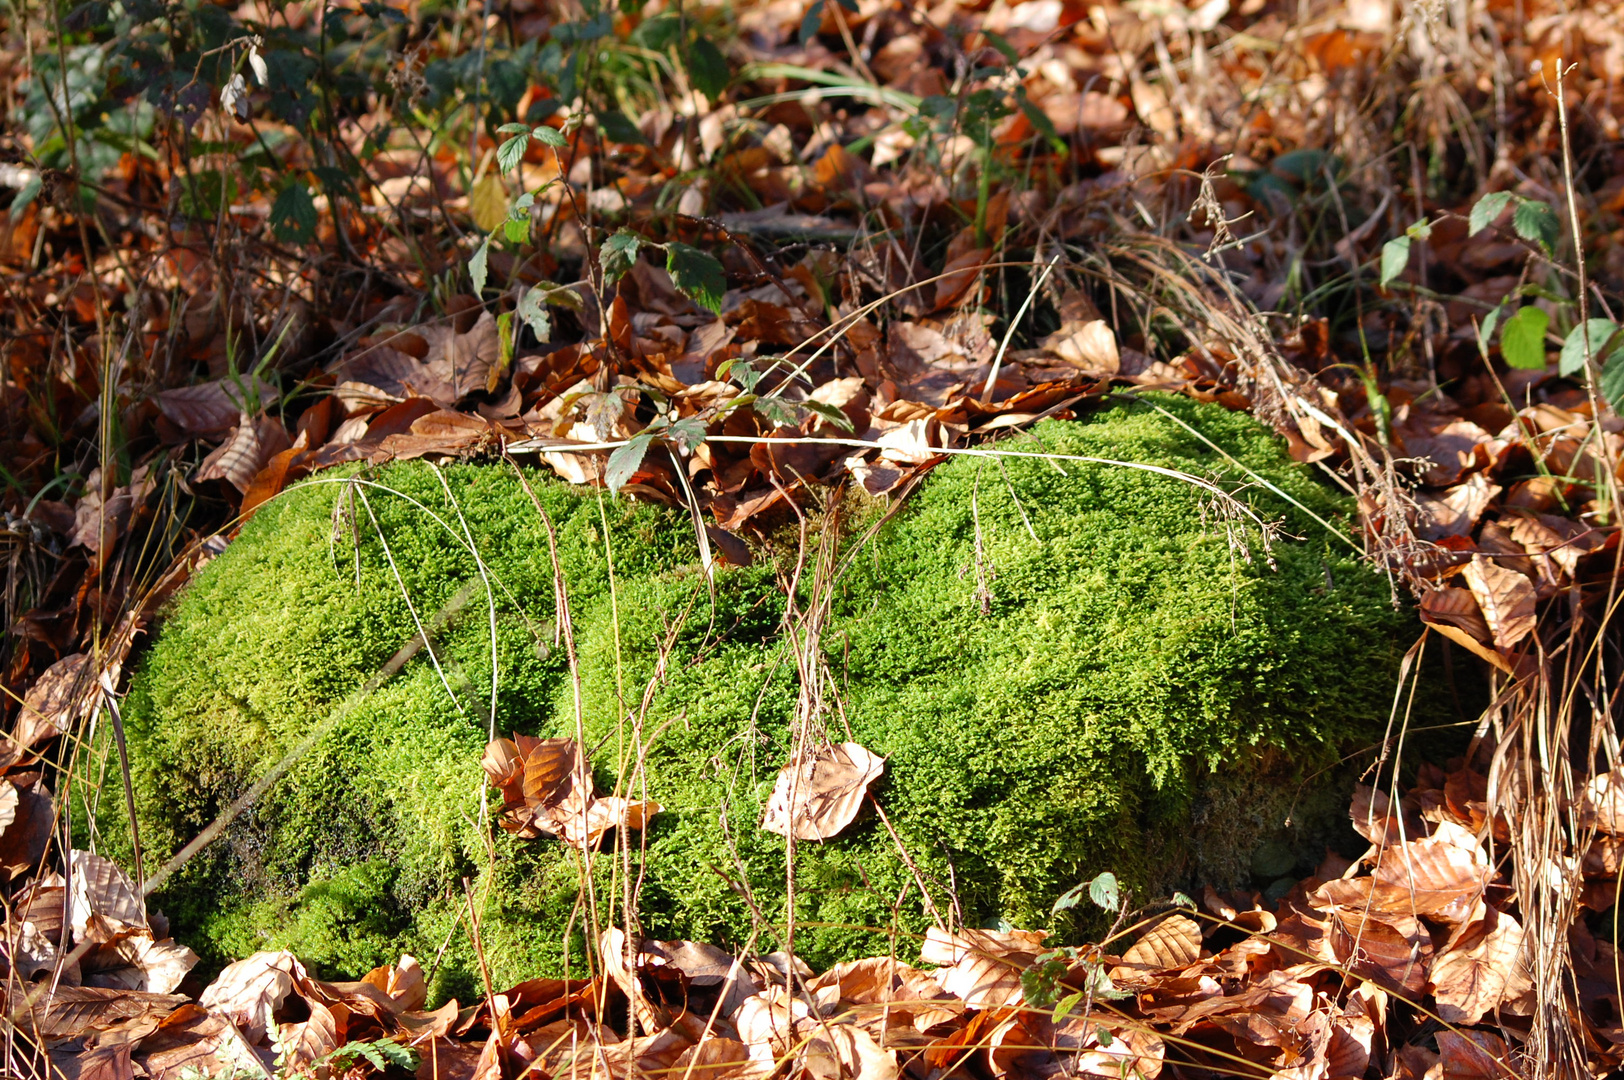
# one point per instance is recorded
(105, 903)
(1601, 806)
(240, 458)
(1481, 966)
(1394, 950)
(819, 797)
(1088, 346)
(71, 1011)
(56, 701)
(212, 408)
(462, 362)
(982, 967)
(1472, 1055)
(1449, 861)
(401, 983)
(1505, 597)
(249, 992)
(1173, 943)
(309, 1040)
(1455, 614)
(717, 1058)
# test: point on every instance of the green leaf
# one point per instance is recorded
(618, 254)
(1612, 381)
(1395, 257)
(811, 22)
(504, 345)
(1599, 332)
(550, 136)
(774, 411)
(26, 196)
(1104, 892)
(1001, 43)
(1070, 898)
(697, 274)
(1522, 342)
(687, 434)
(511, 152)
(533, 312)
(1065, 1005)
(476, 266)
(561, 296)
(1536, 223)
(402, 1057)
(517, 230)
(293, 215)
(618, 127)
(1487, 210)
(1039, 120)
(707, 68)
(835, 416)
(511, 129)
(1485, 332)
(625, 461)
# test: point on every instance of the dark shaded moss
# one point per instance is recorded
(1069, 667)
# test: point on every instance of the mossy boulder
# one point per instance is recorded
(1068, 667)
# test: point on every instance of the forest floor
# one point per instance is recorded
(803, 245)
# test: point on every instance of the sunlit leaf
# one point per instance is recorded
(511, 152)
(697, 274)
(533, 313)
(831, 413)
(476, 266)
(1598, 332)
(625, 461)
(1522, 342)
(1103, 890)
(550, 136)
(1395, 257)
(618, 254)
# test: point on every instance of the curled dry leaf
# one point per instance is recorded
(1090, 345)
(1506, 598)
(249, 992)
(212, 408)
(546, 787)
(817, 798)
(241, 457)
(55, 702)
(1455, 614)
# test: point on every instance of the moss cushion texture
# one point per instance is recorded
(1108, 684)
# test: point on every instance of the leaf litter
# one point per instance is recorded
(1483, 454)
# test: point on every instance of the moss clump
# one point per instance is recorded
(1068, 667)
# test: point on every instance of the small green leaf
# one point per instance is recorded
(293, 215)
(550, 136)
(697, 274)
(1104, 1036)
(1485, 332)
(618, 254)
(774, 411)
(511, 152)
(504, 345)
(1522, 342)
(511, 129)
(811, 22)
(1612, 381)
(1001, 43)
(517, 230)
(1039, 120)
(707, 68)
(625, 461)
(1599, 331)
(1104, 892)
(533, 312)
(1487, 210)
(687, 434)
(835, 416)
(1536, 223)
(1182, 899)
(1070, 898)
(476, 266)
(1065, 1005)
(1395, 257)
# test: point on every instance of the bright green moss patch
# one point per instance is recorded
(1069, 668)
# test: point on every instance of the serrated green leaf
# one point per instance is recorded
(1612, 381)
(476, 266)
(697, 274)
(835, 416)
(687, 433)
(511, 152)
(1395, 257)
(1104, 892)
(707, 68)
(1599, 331)
(1536, 222)
(1070, 898)
(403, 1057)
(774, 411)
(625, 461)
(550, 136)
(293, 215)
(1065, 1005)
(533, 312)
(517, 230)
(1486, 211)
(560, 296)
(617, 255)
(371, 1053)
(504, 347)
(510, 129)
(1522, 342)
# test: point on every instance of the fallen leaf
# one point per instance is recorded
(815, 799)
(250, 448)
(56, 701)
(1088, 346)
(982, 967)
(1175, 942)
(1480, 966)
(249, 992)
(1505, 597)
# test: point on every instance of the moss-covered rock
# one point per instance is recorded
(1069, 668)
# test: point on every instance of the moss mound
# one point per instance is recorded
(1068, 667)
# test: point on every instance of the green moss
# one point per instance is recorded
(1106, 685)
